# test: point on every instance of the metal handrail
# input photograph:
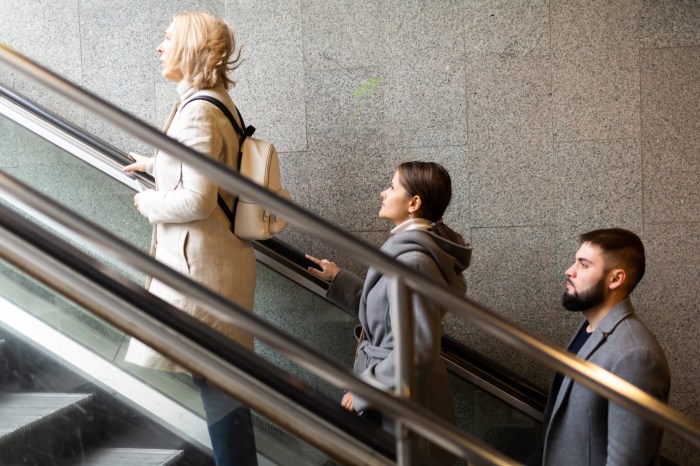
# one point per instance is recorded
(406, 455)
(586, 373)
(273, 252)
(419, 419)
(189, 342)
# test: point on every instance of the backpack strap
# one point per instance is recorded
(242, 135)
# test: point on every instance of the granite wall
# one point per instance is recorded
(553, 117)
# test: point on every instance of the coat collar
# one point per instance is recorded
(607, 326)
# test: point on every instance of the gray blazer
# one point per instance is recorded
(585, 428)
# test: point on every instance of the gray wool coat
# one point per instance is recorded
(587, 429)
(369, 302)
(191, 233)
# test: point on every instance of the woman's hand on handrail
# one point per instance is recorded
(139, 164)
(348, 402)
(328, 269)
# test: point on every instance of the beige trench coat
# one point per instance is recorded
(191, 233)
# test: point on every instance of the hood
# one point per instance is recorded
(451, 258)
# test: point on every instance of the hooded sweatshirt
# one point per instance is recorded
(435, 257)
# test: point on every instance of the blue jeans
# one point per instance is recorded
(230, 427)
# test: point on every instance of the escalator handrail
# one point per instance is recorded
(415, 417)
(75, 274)
(586, 373)
(117, 155)
(293, 264)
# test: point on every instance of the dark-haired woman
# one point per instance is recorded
(415, 202)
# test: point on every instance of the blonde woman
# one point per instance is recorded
(191, 233)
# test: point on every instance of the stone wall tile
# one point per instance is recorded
(507, 28)
(670, 89)
(595, 69)
(599, 181)
(345, 109)
(671, 174)
(340, 34)
(670, 23)
(270, 90)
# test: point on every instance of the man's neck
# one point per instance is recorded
(596, 314)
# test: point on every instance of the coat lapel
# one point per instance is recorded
(620, 312)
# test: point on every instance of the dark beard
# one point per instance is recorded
(583, 302)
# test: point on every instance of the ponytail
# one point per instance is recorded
(442, 230)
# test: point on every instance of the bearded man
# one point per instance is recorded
(580, 426)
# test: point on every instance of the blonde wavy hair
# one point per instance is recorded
(203, 47)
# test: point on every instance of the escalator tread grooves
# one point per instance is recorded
(44, 432)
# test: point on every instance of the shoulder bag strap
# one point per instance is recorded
(242, 135)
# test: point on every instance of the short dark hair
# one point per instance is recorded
(621, 249)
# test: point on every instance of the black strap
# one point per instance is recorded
(242, 135)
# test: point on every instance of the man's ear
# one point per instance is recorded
(616, 278)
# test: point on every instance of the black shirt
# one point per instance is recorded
(574, 348)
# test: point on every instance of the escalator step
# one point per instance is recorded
(131, 457)
(37, 424)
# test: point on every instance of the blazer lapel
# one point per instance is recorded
(567, 381)
(606, 326)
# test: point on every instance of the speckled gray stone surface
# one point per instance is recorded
(509, 99)
(506, 28)
(345, 110)
(670, 23)
(334, 192)
(513, 184)
(424, 91)
(339, 34)
(120, 64)
(510, 147)
(47, 22)
(670, 88)
(595, 70)
(270, 89)
(671, 189)
(600, 181)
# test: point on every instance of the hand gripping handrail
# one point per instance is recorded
(586, 373)
(273, 252)
(417, 418)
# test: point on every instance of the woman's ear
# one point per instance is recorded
(415, 204)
